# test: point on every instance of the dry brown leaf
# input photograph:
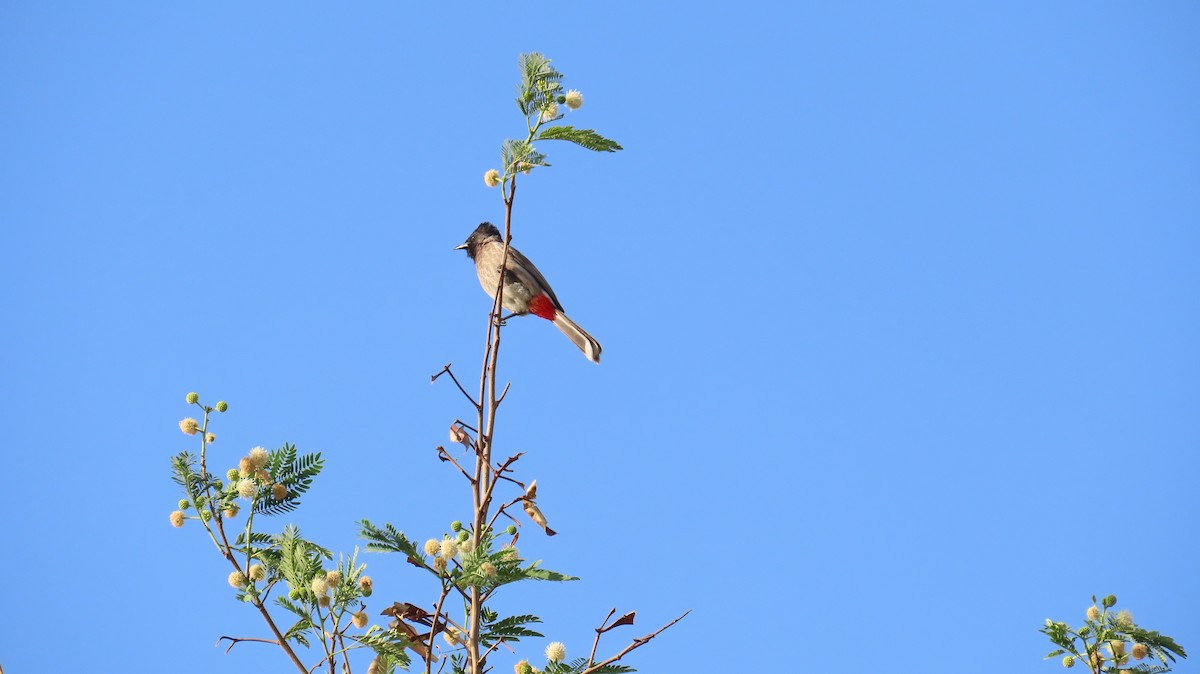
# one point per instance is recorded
(536, 515)
(458, 434)
(626, 619)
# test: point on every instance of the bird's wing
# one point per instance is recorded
(518, 262)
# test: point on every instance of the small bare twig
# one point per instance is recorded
(437, 614)
(488, 652)
(516, 482)
(505, 513)
(233, 641)
(600, 630)
(445, 456)
(499, 472)
(446, 370)
(503, 510)
(503, 393)
(633, 645)
(503, 468)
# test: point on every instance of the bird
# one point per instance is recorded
(526, 291)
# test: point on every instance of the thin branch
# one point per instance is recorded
(633, 645)
(281, 641)
(484, 481)
(505, 513)
(233, 641)
(437, 614)
(341, 637)
(446, 370)
(491, 648)
(503, 510)
(504, 393)
(497, 472)
(516, 482)
(445, 456)
(599, 631)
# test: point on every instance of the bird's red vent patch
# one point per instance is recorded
(542, 306)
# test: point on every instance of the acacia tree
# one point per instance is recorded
(1110, 642)
(467, 566)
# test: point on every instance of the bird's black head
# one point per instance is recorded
(484, 233)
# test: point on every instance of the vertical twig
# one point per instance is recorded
(482, 488)
(437, 615)
(599, 631)
(227, 550)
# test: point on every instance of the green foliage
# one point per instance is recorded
(299, 561)
(519, 155)
(1110, 642)
(534, 573)
(298, 631)
(261, 546)
(387, 665)
(540, 83)
(286, 557)
(187, 475)
(580, 664)
(348, 591)
(388, 644)
(582, 137)
(539, 96)
(1163, 646)
(294, 472)
(292, 606)
(388, 539)
(511, 628)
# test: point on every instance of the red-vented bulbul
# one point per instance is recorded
(525, 289)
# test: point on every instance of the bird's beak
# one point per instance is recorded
(461, 246)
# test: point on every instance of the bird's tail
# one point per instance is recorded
(586, 343)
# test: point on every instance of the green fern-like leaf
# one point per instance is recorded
(298, 631)
(261, 547)
(458, 664)
(1148, 668)
(511, 628)
(586, 138)
(1163, 646)
(388, 539)
(610, 669)
(182, 468)
(386, 665)
(540, 83)
(256, 537)
(580, 664)
(299, 560)
(185, 474)
(387, 643)
(292, 606)
(536, 573)
(517, 155)
(295, 473)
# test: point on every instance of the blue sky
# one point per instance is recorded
(898, 304)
